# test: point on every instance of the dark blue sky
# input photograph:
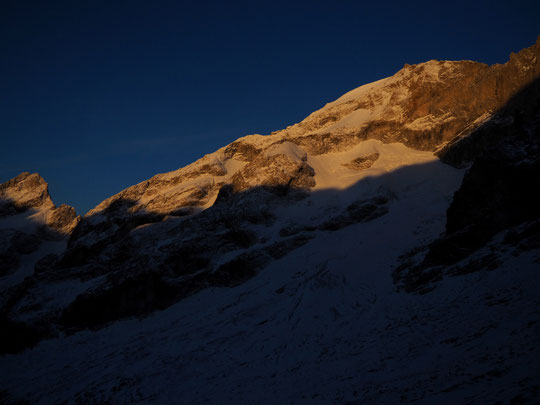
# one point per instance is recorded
(97, 96)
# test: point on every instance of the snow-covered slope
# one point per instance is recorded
(281, 267)
(321, 324)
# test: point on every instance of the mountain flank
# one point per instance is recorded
(396, 223)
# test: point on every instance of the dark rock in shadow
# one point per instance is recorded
(498, 192)
(17, 336)
(137, 295)
(24, 243)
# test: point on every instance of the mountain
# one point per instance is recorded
(384, 249)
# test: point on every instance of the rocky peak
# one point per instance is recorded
(29, 191)
(23, 192)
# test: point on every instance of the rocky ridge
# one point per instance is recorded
(423, 106)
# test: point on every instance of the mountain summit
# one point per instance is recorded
(384, 249)
(30, 192)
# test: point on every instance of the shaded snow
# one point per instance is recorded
(313, 326)
(323, 323)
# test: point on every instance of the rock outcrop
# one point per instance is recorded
(362, 162)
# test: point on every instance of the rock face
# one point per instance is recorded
(223, 219)
(497, 193)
